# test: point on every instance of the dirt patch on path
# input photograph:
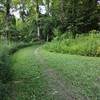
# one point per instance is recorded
(56, 85)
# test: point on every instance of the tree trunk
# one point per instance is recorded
(48, 14)
(22, 12)
(7, 24)
(62, 5)
(37, 18)
(48, 7)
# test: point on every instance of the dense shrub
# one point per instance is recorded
(5, 71)
(5, 67)
(16, 46)
(83, 45)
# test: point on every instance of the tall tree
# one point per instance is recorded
(7, 18)
(38, 18)
(77, 16)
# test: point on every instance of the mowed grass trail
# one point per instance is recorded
(80, 74)
(41, 75)
(28, 83)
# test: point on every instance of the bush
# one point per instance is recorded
(13, 47)
(5, 71)
(94, 32)
(5, 74)
(83, 45)
(57, 32)
(5, 68)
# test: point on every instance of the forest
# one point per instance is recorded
(49, 49)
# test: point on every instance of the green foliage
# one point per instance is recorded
(57, 32)
(27, 30)
(77, 16)
(46, 27)
(16, 46)
(60, 36)
(5, 72)
(5, 66)
(82, 45)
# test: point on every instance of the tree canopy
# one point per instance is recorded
(75, 16)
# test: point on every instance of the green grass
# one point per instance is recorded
(81, 74)
(28, 83)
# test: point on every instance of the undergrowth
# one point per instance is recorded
(6, 49)
(83, 45)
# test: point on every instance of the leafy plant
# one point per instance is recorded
(83, 45)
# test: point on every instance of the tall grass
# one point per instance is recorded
(83, 45)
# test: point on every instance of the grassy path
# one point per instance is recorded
(41, 75)
(81, 74)
(34, 79)
(56, 84)
(28, 82)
